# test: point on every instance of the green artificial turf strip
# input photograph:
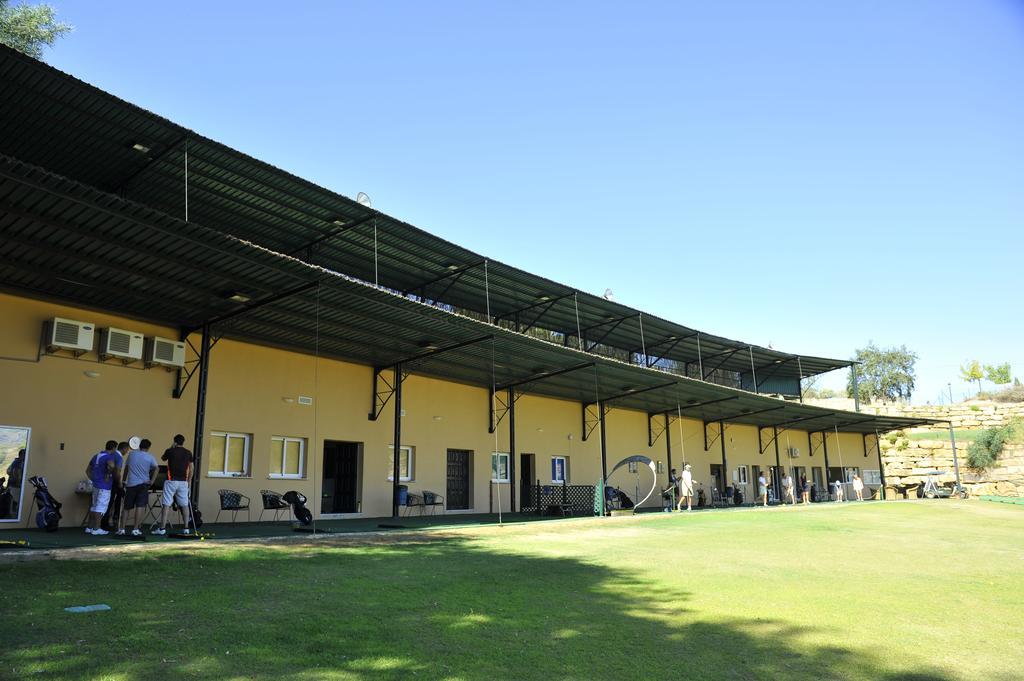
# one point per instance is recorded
(913, 590)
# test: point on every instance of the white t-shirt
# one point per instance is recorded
(787, 482)
(761, 481)
(687, 481)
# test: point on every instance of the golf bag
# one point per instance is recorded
(48, 517)
(298, 503)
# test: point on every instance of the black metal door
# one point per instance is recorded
(340, 491)
(526, 481)
(346, 499)
(458, 478)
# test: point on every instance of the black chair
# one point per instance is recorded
(412, 501)
(272, 501)
(432, 500)
(234, 502)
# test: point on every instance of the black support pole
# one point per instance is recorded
(668, 444)
(604, 446)
(824, 446)
(721, 437)
(197, 442)
(856, 388)
(398, 440)
(881, 468)
(778, 466)
(511, 450)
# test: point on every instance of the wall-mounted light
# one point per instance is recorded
(91, 374)
(437, 418)
(237, 297)
(540, 430)
(288, 400)
(140, 147)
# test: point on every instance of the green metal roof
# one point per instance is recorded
(77, 131)
(65, 240)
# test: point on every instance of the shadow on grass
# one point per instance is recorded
(441, 609)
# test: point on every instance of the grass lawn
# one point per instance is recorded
(964, 436)
(912, 590)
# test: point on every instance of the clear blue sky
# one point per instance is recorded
(812, 175)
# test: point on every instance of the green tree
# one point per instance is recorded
(998, 373)
(30, 28)
(972, 371)
(883, 374)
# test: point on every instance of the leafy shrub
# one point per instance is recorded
(974, 407)
(985, 450)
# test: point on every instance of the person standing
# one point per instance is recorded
(787, 489)
(140, 469)
(839, 490)
(762, 489)
(686, 488)
(671, 492)
(15, 475)
(112, 518)
(858, 487)
(805, 490)
(179, 474)
(104, 470)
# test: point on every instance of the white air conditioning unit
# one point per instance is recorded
(67, 334)
(165, 352)
(124, 345)
(793, 452)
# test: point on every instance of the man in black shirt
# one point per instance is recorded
(179, 474)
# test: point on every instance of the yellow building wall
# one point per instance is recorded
(255, 390)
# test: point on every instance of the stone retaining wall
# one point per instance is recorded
(907, 462)
(966, 416)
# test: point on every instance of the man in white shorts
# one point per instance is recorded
(686, 488)
(179, 474)
(104, 470)
(787, 489)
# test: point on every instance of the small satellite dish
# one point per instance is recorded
(364, 200)
(134, 441)
(608, 295)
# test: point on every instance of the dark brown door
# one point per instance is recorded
(459, 478)
(527, 486)
(340, 491)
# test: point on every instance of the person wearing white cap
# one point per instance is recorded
(686, 488)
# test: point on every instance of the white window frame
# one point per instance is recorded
(406, 450)
(284, 448)
(849, 472)
(499, 456)
(246, 455)
(741, 477)
(565, 470)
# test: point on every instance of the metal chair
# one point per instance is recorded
(272, 501)
(433, 500)
(234, 502)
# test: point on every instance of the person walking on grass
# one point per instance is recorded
(858, 487)
(104, 469)
(686, 488)
(179, 474)
(805, 490)
(787, 489)
(140, 470)
(762, 489)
